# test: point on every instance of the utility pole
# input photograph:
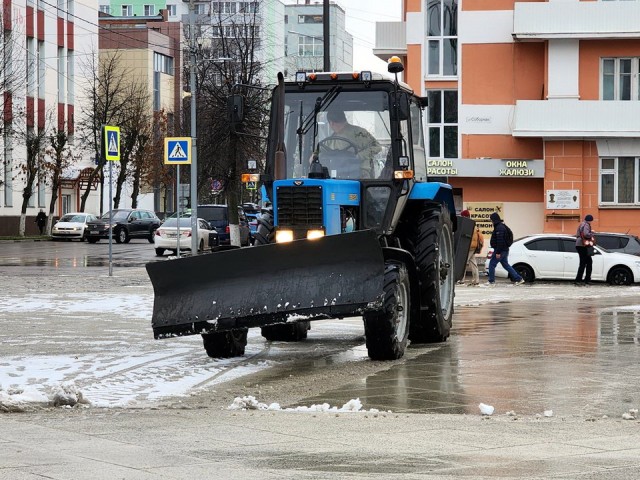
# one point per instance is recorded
(194, 133)
(325, 34)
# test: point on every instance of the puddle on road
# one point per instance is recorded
(69, 262)
(575, 357)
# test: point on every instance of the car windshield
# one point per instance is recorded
(73, 218)
(352, 138)
(118, 215)
(173, 222)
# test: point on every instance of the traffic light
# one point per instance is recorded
(235, 109)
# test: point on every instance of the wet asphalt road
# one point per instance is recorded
(575, 356)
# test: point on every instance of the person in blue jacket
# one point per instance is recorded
(500, 252)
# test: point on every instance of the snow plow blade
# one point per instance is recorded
(330, 277)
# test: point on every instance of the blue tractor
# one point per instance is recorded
(355, 228)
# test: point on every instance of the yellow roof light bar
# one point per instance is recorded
(250, 177)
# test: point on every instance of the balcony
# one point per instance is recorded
(570, 118)
(390, 40)
(581, 20)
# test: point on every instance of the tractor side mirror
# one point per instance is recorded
(400, 106)
(235, 109)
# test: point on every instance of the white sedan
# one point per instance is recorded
(166, 237)
(554, 256)
(72, 225)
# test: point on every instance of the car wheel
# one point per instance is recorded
(201, 246)
(159, 252)
(525, 271)
(152, 234)
(620, 276)
(93, 239)
(122, 236)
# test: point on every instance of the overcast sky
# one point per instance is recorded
(361, 18)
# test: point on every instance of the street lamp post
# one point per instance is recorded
(194, 149)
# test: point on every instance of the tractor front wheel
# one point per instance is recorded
(225, 344)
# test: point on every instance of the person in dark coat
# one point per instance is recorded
(584, 237)
(41, 220)
(500, 252)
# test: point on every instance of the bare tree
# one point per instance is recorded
(147, 169)
(110, 94)
(224, 147)
(31, 169)
(59, 156)
(13, 73)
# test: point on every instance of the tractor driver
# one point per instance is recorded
(366, 144)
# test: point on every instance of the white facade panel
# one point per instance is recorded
(540, 20)
(618, 147)
(415, 31)
(564, 58)
(485, 27)
(576, 119)
(485, 119)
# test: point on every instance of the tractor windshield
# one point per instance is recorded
(351, 135)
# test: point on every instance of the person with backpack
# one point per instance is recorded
(584, 242)
(501, 240)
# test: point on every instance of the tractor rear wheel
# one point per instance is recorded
(226, 344)
(286, 332)
(265, 232)
(387, 330)
(433, 251)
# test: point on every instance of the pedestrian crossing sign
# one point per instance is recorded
(177, 150)
(111, 141)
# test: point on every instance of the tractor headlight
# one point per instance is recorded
(316, 233)
(283, 236)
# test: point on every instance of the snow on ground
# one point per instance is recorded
(98, 349)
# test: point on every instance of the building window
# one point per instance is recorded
(149, 10)
(42, 69)
(200, 9)
(156, 91)
(105, 9)
(620, 79)
(162, 63)
(172, 10)
(31, 67)
(70, 77)
(310, 46)
(61, 74)
(442, 36)
(309, 18)
(619, 181)
(127, 11)
(8, 166)
(442, 123)
(224, 7)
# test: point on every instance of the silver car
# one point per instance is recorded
(72, 226)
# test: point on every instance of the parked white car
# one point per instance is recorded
(72, 225)
(554, 256)
(166, 237)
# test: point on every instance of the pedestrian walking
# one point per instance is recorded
(584, 246)
(477, 242)
(41, 220)
(501, 240)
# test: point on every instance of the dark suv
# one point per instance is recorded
(619, 242)
(218, 217)
(127, 223)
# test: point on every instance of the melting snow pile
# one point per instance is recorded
(20, 399)
(250, 403)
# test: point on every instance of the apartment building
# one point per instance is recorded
(44, 45)
(149, 49)
(304, 38)
(534, 106)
